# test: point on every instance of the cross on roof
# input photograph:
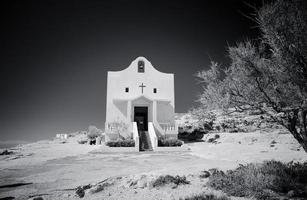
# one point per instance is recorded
(142, 86)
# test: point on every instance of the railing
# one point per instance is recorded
(135, 135)
(168, 127)
(169, 130)
(152, 135)
(109, 127)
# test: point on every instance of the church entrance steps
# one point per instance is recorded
(145, 144)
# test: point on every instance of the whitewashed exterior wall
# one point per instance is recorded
(120, 104)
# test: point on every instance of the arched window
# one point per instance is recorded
(141, 66)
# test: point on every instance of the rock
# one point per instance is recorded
(291, 193)
(273, 142)
(100, 187)
(297, 193)
(204, 174)
(38, 198)
(66, 195)
(85, 187)
(132, 183)
(80, 192)
(142, 183)
(173, 185)
(6, 152)
(8, 198)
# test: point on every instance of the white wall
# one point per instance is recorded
(165, 112)
(131, 78)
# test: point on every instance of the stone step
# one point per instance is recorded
(145, 144)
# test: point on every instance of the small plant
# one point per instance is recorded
(169, 142)
(121, 143)
(190, 133)
(213, 140)
(93, 132)
(167, 179)
(206, 197)
(204, 174)
(121, 129)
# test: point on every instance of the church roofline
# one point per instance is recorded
(141, 58)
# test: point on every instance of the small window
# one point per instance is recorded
(155, 90)
(141, 66)
(126, 89)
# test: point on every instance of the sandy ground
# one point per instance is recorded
(55, 169)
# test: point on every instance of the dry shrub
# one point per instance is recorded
(167, 179)
(206, 197)
(121, 143)
(170, 142)
(262, 181)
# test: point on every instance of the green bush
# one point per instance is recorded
(169, 142)
(262, 181)
(206, 197)
(192, 134)
(121, 143)
(167, 179)
(93, 135)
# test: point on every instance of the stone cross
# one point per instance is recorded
(142, 86)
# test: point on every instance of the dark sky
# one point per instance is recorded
(55, 55)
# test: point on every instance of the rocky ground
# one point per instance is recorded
(55, 169)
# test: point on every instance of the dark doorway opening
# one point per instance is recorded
(141, 117)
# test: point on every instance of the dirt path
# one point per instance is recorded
(50, 171)
(70, 172)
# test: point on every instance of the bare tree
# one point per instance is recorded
(269, 74)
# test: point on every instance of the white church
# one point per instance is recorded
(140, 105)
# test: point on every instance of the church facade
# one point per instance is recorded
(140, 99)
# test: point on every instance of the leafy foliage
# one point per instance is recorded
(263, 181)
(268, 75)
(93, 132)
(205, 120)
(121, 129)
(169, 142)
(190, 134)
(121, 143)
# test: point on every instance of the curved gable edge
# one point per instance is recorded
(135, 61)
